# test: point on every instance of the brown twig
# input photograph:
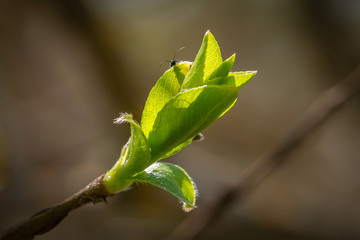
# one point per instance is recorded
(318, 112)
(48, 218)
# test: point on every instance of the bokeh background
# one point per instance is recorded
(69, 67)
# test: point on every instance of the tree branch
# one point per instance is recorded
(48, 218)
(318, 112)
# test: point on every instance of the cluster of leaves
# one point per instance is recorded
(184, 101)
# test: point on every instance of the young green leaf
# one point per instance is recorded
(242, 77)
(207, 59)
(184, 101)
(135, 157)
(186, 115)
(165, 88)
(171, 178)
(223, 69)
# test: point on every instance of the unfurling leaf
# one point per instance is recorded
(134, 157)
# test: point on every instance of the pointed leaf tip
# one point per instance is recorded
(187, 207)
(242, 77)
(207, 59)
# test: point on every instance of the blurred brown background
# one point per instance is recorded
(67, 68)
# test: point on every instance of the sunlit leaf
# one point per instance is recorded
(223, 69)
(171, 178)
(207, 59)
(165, 88)
(187, 114)
(242, 77)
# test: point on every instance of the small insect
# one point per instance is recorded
(173, 62)
(199, 137)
